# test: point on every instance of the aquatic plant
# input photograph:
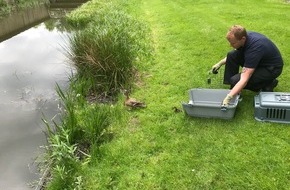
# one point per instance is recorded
(83, 128)
(108, 49)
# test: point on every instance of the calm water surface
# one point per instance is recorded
(31, 63)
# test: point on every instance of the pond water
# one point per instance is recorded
(31, 64)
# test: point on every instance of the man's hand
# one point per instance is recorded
(226, 101)
(216, 67)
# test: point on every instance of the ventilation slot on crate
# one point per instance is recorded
(273, 106)
(276, 113)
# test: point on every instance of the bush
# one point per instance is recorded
(12, 6)
(4, 8)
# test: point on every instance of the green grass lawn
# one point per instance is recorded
(157, 148)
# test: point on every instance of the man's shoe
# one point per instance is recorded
(271, 86)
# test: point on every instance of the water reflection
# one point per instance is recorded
(30, 65)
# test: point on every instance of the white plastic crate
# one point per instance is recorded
(207, 103)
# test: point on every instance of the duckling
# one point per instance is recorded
(176, 110)
(131, 102)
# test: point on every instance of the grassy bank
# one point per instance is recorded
(158, 148)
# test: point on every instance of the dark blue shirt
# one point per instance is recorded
(259, 51)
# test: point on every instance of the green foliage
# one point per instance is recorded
(2, 3)
(69, 116)
(30, 3)
(83, 16)
(83, 128)
(106, 50)
(4, 8)
(62, 150)
(86, 123)
(7, 8)
(95, 127)
(61, 159)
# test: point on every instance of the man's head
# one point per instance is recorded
(237, 36)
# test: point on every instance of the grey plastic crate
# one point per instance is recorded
(207, 103)
(273, 107)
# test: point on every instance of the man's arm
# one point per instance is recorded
(217, 66)
(223, 61)
(245, 76)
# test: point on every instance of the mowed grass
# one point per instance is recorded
(157, 148)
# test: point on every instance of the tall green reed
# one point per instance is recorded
(86, 124)
(83, 128)
(108, 49)
(60, 159)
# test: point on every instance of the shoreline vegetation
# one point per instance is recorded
(158, 50)
(9, 6)
(107, 50)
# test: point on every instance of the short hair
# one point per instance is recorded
(238, 31)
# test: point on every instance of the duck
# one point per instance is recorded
(132, 102)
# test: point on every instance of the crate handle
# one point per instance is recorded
(224, 108)
(283, 97)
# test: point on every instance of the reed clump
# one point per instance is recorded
(108, 49)
(83, 128)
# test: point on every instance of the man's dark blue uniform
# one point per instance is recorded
(259, 53)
